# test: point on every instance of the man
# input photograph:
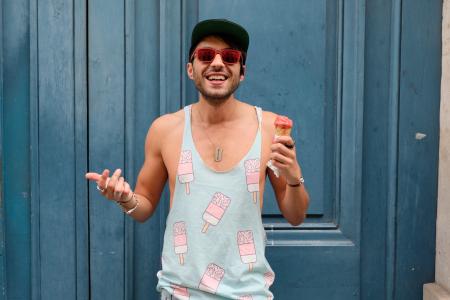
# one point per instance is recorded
(213, 154)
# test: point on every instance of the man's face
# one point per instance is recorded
(215, 81)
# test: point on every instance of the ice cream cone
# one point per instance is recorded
(283, 126)
(280, 131)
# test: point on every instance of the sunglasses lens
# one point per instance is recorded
(230, 56)
(206, 55)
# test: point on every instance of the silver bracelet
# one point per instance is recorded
(131, 210)
(126, 201)
(301, 182)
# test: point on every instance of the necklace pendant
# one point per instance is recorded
(218, 154)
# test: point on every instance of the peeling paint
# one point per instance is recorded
(420, 136)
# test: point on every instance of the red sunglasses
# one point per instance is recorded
(207, 55)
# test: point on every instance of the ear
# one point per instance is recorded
(190, 70)
(242, 73)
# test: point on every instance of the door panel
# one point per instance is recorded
(308, 65)
(106, 66)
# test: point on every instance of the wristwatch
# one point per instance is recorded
(301, 181)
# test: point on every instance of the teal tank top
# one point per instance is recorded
(214, 242)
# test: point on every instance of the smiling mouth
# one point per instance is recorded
(216, 78)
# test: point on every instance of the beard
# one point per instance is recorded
(216, 97)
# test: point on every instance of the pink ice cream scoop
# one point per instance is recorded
(252, 177)
(247, 248)
(211, 278)
(180, 292)
(215, 210)
(180, 240)
(185, 169)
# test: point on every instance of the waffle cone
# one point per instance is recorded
(282, 131)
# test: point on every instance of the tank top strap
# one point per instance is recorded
(259, 115)
(187, 137)
(187, 118)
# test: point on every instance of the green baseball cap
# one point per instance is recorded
(220, 27)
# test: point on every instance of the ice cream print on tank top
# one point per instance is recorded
(214, 242)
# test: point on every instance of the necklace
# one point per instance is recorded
(218, 151)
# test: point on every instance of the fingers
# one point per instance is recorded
(118, 189)
(93, 176)
(283, 157)
(286, 140)
(281, 160)
(281, 148)
(122, 192)
(127, 193)
(99, 178)
(105, 174)
(109, 192)
(114, 187)
(102, 182)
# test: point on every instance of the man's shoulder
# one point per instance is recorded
(269, 116)
(168, 122)
(268, 120)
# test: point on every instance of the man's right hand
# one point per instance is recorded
(114, 187)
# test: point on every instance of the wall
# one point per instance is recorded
(441, 288)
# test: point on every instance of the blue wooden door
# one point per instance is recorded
(83, 80)
(297, 55)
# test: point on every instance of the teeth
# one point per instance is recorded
(216, 77)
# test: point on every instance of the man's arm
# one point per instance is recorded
(152, 176)
(292, 201)
(150, 182)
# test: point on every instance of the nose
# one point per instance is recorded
(217, 61)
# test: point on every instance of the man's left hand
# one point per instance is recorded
(285, 159)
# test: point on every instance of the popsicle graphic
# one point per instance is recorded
(283, 126)
(185, 169)
(180, 292)
(211, 278)
(246, 246)
(245, 297)
(252, 177)
(180, 240)
(269, 277)
(215, 210)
